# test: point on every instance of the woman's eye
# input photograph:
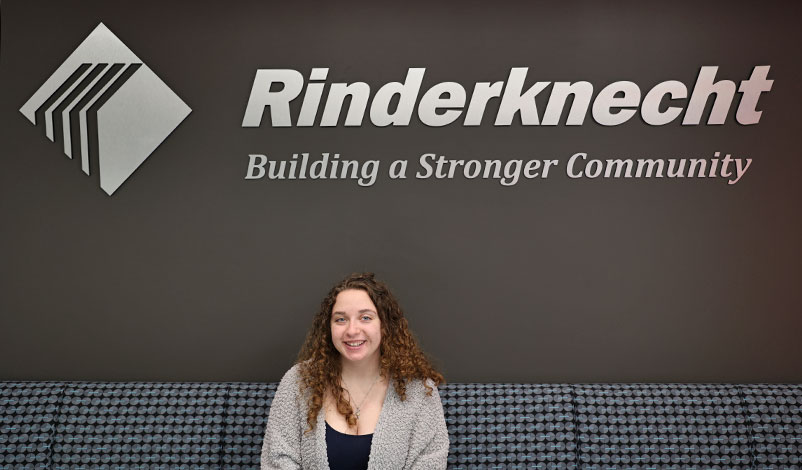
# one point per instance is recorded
(339, 320)
(366, 317)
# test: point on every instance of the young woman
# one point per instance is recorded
(362, 394)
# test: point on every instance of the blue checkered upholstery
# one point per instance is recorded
(139, 426)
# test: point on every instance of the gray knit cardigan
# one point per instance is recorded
(410, 434)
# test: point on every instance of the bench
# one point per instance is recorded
(139, 425)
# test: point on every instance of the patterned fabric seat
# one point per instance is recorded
(116, 426)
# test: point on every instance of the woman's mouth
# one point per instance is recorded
(354, 344)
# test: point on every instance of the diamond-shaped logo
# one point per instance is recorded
(104, 104)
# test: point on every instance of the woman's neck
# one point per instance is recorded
(360, 372)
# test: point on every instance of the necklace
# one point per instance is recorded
(359, 406)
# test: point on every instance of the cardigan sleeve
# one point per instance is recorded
(429, 449)
(281, 449)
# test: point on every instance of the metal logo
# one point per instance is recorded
(108, 106)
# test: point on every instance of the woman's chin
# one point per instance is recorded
(355, 356)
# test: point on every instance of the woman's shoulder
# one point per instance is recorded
(291, 380)
(289, 388)
(418, 390)
(421, 405)
(293, 373)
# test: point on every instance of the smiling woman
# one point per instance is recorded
(362, 395)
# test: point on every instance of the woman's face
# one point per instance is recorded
(355, 326)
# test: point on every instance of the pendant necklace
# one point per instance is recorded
(359, 406)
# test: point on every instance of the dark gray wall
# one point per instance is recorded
(189, 272)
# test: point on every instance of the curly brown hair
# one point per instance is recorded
(400, 356)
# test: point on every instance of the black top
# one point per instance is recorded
(347, 451)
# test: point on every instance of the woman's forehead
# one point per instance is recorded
(353, 300)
